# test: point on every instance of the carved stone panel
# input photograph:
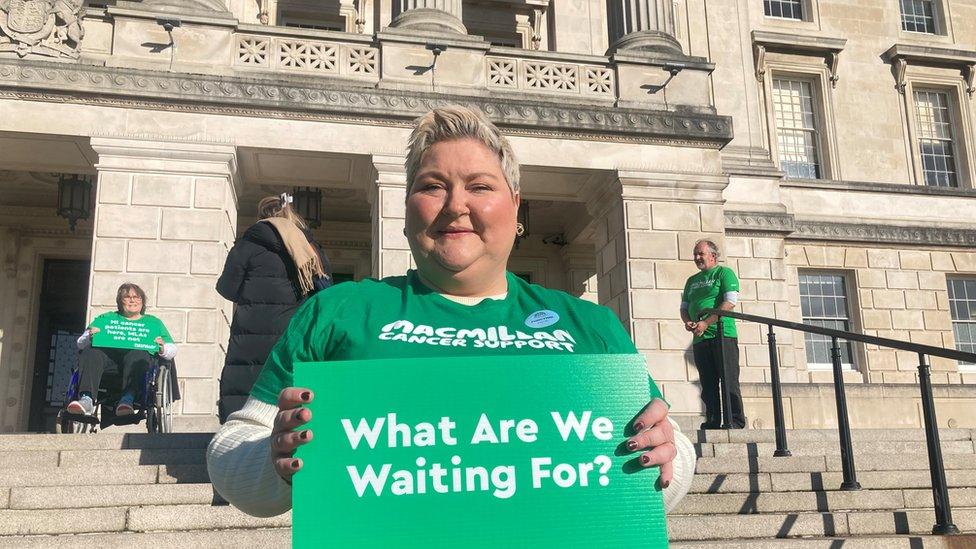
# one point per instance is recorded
(47, 28)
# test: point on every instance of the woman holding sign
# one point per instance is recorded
(461, 203)
(120, 340)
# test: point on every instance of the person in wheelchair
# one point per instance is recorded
(133, 363)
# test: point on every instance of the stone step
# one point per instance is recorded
(57, 497)
(782, 525)
(807, 464)
(826, 435)
(820, 448)
(793, 482)
(151, 456)
(171, 518)
(281, 538)
(19, 459)
(866, 542)
(198, 539)
(103, 441)
(785, 502)
(106, 476)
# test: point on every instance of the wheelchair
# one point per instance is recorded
(155, 405)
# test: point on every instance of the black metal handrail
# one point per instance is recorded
(940, 490)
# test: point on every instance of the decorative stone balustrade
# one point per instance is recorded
(535, 75)
(290, 54)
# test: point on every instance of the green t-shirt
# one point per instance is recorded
(706, 290)
(399, 317)
(153, 328)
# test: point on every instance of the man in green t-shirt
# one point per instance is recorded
(715, 286)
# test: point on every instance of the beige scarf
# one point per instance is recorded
(301, 251)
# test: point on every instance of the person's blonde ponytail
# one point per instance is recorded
(278, 206)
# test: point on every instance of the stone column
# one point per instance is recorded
(646, 227)
(387, 195)
(165, 217)
(643, 25)
(430, 15)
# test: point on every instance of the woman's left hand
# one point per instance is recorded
(161, 343)
(652, 432)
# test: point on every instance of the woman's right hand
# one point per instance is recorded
(285, 436)
(93, 330)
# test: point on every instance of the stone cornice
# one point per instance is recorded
(764, 222)
(330, 99)
(870, 187)
(890, 234)
(786, 225)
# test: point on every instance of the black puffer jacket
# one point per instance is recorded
(260, 278)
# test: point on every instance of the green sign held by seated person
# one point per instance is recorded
(119, 332)
(480, 452)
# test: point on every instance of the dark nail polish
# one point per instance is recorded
(645, 460)
(639, 426)
(295, 464)
(306, 396)
(631, 445)
(304, 435)
(664, 485)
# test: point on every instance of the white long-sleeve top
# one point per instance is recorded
(168, 352)
(241, 470)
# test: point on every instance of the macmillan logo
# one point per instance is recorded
(492, 337)
(541, 319)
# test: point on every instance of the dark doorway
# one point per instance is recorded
(60, 320)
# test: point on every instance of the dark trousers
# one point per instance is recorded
(95, 361)
(708, 360)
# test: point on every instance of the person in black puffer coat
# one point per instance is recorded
(269, 272)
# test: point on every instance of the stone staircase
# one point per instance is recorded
(114, 490)
(748, 498)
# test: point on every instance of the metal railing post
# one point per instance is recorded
(843, 425)
(726, 400)
(940, 491)
(781, 448)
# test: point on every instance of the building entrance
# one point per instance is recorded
(60, 320)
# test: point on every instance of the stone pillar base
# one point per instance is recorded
(649, 41)
(429, 19)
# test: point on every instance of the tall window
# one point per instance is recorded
(917, 16)
(823, 302)
(796, 128)
(935, 144)
(788, 9)
(962, 307)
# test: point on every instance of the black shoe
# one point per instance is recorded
(710, 425)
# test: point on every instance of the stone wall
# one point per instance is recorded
(165, 217)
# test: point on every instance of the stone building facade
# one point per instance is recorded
(829, 146)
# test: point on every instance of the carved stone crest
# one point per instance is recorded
(51, 28)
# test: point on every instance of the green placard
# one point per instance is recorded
(483, 452)
(118, 332)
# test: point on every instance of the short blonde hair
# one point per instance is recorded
(456, 122)
(274, 206)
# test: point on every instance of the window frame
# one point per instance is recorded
(854, 324)
(960, 127)
(822, 96)
(963, 367)
(941, 21)
(811, 16)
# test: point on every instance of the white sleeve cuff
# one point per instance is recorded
(239, 462)
(169, 351)
(731, 297)
(684, 469)
(84, 341)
